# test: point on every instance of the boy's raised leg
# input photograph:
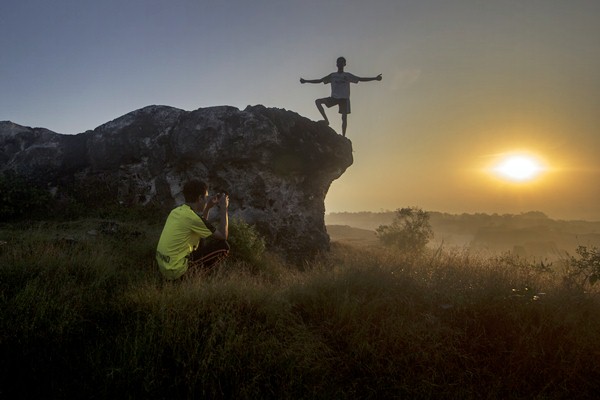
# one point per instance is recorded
(319, 103)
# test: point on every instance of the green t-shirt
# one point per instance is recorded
(180, 236)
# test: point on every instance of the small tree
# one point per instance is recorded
(584, 270)
(410, 230)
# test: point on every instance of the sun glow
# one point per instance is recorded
(518, 168)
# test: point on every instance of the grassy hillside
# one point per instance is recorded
(85, 314)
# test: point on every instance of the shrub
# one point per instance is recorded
(245, 241)
(585, 270)
(410, 231)
(20, 197)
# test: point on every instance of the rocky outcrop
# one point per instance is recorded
(276, 165)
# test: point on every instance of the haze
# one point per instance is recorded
(465, 83)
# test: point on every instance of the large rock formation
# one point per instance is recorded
(276, 165)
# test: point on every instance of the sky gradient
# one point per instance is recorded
(464, 82)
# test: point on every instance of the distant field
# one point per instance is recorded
(350, 235)
(531, 234)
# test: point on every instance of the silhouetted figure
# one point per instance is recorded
(340, 91)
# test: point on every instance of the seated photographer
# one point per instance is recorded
(180, 246)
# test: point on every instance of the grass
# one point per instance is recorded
(85, 314)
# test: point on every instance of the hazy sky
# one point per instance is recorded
(464, 82)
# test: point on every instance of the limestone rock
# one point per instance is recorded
(276, 165)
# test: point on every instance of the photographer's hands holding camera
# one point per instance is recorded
(221, 199)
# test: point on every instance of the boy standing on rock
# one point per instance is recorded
(340, 91)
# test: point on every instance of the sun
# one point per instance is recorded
(518, 168)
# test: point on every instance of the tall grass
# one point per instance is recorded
(86, 315)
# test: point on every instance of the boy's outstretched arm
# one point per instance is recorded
(302, 80)
(375, 78)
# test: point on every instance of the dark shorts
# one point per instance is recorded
(209, 253)
(344, 104)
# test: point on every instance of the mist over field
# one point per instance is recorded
(531, 234)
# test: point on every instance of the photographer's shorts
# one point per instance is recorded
(209, 253)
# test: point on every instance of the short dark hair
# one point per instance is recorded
(194, 189)
(340, 59)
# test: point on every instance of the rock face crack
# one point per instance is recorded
(276, 165)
